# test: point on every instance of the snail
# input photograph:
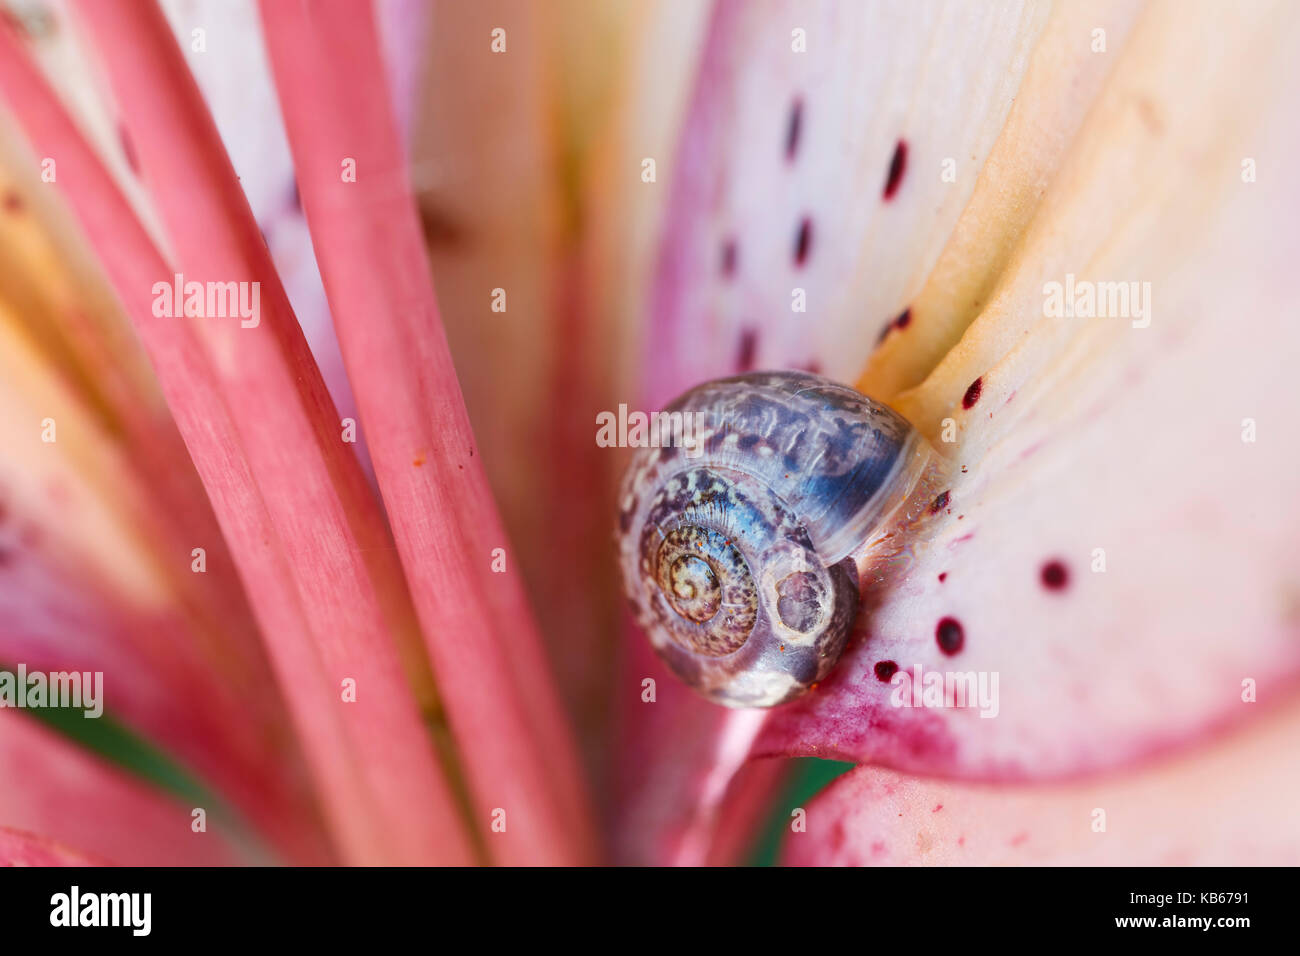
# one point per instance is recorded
(743, 549)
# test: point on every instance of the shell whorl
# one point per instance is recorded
(738, 552)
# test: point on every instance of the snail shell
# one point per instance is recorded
(742, 552)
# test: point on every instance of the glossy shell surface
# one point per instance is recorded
(737, 543)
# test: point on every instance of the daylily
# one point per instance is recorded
(279, 540)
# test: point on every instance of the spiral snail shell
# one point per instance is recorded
(742, 553)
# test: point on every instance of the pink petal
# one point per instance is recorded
(25, 849)
(778, 183)
(1229, 804)
(234, 76)
(1091, 433)
(74, 798)
(96, 531)
(517, 751)
(262, 433)
(504, 156)
(1084, 434)
(745, 188)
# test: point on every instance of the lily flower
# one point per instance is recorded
(307, 311)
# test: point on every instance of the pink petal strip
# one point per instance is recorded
(261, 429)
(52, 620)
(517, 750)
(18, 848)
(54, 788)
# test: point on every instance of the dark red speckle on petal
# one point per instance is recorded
(803, 241)
(943, 576)
(972, 393)
(939, 503)
(729, 258)
(950, 635)
(747, 351)
(897, 167)
(885, 670)
(129, 149)
(837, 835)
(793, 129)
(1055, 575)
(900, 322)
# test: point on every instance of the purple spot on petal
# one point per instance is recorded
(729, 258)
(1055, 576)
(950, 635)
(747, 351)
(897, 167)
(803, 242)
(793, 129)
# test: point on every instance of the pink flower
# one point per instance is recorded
(327, 610)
